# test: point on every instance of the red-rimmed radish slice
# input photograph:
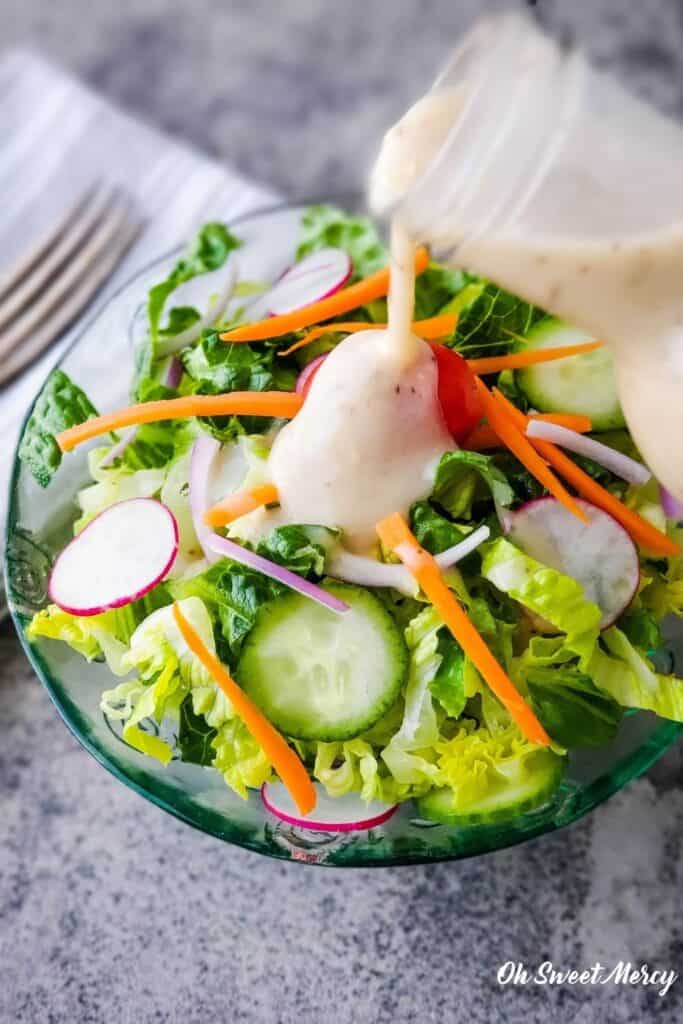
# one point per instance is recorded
(346, 813)
(120, 556)
(204, 452)
(315, 277)
(305, 378)
(599, 555)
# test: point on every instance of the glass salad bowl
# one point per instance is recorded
(39, 522)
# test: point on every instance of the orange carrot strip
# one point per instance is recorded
(284, 760)
(484, 437)
(280, 404)
(518, 360)
(639, 529)
(514, 439)
(435, 327)
(239, 503)
(370, 288)
(397, 537)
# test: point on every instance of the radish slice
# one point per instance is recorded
(305, 378)
(625, 467)
(313, 278)
(119, 556)
(368, 572)
(346, 813)
(600, 556)
(229, 549)
(167, 346)
(204, 452)
(673, 508)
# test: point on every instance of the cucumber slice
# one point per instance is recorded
(584, 385)
(531, 782)
(321, 676)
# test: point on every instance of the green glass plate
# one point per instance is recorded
(40, 521)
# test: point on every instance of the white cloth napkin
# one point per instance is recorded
(57, 138)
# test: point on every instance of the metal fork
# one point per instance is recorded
(50, 284)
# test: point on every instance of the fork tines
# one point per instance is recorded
(50, 284)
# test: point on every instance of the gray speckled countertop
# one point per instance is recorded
(111, 910)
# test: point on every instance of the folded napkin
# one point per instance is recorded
(58, 137)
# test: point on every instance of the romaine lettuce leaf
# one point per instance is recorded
(626, 675)
(60, 405)
(478, 766)
(434, 532)
(208, 252)
(239, 758)
(216, 367)
(323, 226)
(490, 319)
(459, 478)
(302, 549)
(573, 711)
(167, 671)
(409, 755)
(195, 735)
(556, 598)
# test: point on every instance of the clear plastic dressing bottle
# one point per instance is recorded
(528, 166)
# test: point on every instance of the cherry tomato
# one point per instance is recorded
(457, 392)
(305, 378)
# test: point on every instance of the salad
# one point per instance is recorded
(472, 586)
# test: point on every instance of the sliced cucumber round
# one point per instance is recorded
(531, 783)
(584, 385)
(321, 676)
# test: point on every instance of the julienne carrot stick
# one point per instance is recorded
(520, 446)
(640, 530)
(370, 288)
(433, 328)
(484, 437)
(518, 360)
(284, 760)
(279, 404)
(239, 504)
(397, 537)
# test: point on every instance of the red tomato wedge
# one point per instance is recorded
(458, 393)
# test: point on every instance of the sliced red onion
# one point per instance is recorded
(117, 450)
(225, 548)
(174, 373)
(204, 451)
(625, 467)
(368, 572)
(673, 508)
(167, 346)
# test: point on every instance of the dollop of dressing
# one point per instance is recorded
(367, 440)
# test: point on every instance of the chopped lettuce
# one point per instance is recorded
(302, 549)
(216, 367)
(60, 405)
(459, 479)
(239, 758)
(167, 670)
(195, 735)
(573, 711)
(208, 252)
(483, 769)
(409, 755)
(557, 599)
(433, 530)
(625, 674)
(490, 320)
(325, 226)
